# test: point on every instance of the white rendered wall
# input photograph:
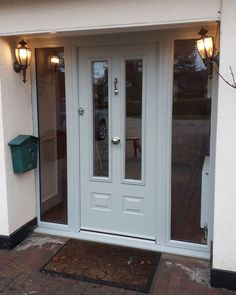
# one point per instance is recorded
(27, 16)
(4, 226)
(224, 236)
(17, 192)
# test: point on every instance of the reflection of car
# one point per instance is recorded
(100, 125)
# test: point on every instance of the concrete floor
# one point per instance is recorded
(19, 274)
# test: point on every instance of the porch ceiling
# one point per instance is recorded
(210, 25)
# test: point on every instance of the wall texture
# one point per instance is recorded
(67, 15)
(4, 226)
(17, 192)
(224, 239)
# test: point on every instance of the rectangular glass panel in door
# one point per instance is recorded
(133, 125)
(50, 74)
(100, 118)
(190, 144)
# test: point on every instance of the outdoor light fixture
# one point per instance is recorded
(23, 58)
(206, 47)
(207, 50)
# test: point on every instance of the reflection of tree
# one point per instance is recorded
(134, 80)
(187, 63)
(190, 74)
(134, 88)
(100, 87)
(186, 56)
(61, 66)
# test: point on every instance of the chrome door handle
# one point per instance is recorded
(115, 140)
(81, 111)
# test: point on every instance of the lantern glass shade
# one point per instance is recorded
(205, 47)
(23, 56)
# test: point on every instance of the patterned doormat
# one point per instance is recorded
(111, 265)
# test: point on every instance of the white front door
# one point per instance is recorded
(118, 141)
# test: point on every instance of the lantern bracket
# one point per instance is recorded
(203, 32)
(17, 68)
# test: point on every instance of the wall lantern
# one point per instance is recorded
(23, 58)
(206, 47)
(207, 51)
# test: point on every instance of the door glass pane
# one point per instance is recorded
(133, 122)
(50, 74)
(190, 144)
(100, 118)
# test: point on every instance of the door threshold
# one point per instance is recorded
(118, 234)
(125, 241)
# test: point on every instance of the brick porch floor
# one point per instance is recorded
(19, 274)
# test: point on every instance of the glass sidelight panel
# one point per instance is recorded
(50, 74)
(133, 122)
(190, 144)
(100, 118)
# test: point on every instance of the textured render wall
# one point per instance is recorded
(18, 193)
(66, 15)
(4, 226)
(224, 241)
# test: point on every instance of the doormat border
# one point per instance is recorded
(100, 281)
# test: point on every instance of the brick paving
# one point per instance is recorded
(19, 274)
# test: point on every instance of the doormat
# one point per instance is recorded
(99, 263)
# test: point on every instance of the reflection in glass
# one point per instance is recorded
(133, 126)
(100, 118)
(190, 141)
(52, 134)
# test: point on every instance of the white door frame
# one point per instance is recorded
(165, 41)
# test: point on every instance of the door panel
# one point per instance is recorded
(117, 90)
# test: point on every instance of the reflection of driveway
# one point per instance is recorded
(190, 145)
(190, 141)
(186, 204)
(133, 127)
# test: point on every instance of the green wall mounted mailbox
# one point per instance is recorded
(24, 153)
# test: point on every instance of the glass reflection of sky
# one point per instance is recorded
(199, 62)
(99, 68)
